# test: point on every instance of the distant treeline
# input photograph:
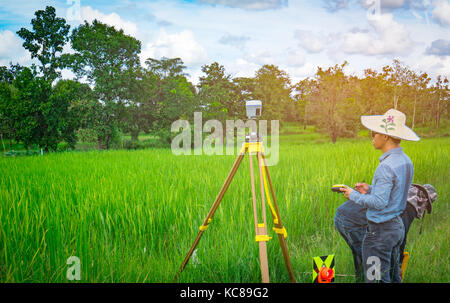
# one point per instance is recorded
(118, 95)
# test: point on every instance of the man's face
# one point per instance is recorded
(378, 140)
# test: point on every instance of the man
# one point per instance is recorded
(370, 220)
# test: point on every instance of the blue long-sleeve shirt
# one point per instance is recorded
(387, 195)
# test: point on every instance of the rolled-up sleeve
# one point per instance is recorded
(378, 196)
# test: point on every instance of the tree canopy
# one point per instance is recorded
(114, 93)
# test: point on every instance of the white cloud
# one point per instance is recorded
(233, 40)
(307, 70)
(68, 74)
(113, 19)
(386, 36)
(240, 67)
(11, 49)
(441, 12)
(250, 4)
(434, 65)
(261, 57)
(313, 43)
(295, 59)
(439, 47)
(182, 45)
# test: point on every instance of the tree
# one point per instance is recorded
(397, 80)
(371, 93)
(166, 67)
(70, 97)
(108, 59)
(333, 108)
(170, 95)
(8, 97)
(441, 94)
(273, 88)
(6, 75)
(7, 114)
(303, 92)
(243, 90)
(46, 40)
(216, 94)
(35, 113)
(34, 122)
(419, 84)
(142, 113)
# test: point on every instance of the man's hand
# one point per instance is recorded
(362, 188)
(346, 191)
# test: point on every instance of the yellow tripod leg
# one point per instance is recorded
(213, 209)
(279, 228)
(260, 229)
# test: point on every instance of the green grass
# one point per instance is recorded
(131, 216)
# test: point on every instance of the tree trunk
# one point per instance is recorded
(414, 111)
(107, 139)
(4, 149)
(135, 134)
(305, 118)
(334, 133)
(333, 137)
(438, 114)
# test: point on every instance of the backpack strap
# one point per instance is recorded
(421, 224)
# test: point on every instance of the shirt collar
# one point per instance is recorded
(397, 150)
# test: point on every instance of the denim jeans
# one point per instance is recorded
(383, 241)
(351, 222)
(408, 217)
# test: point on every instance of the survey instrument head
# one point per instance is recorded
(253, 109)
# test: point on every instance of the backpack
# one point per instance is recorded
(421, 198)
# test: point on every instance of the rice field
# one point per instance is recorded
(131, 216)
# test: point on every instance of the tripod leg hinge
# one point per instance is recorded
(205, 227)
(281, 231)
(265, 238)
(252, 147)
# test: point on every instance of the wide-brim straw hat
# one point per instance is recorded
(392, 123)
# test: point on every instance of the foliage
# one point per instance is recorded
(108, 59)
(273, 88)
(334, 104)
(215, 93)
(46, 40)
(129, 98)
(35, 118)
(170, 96)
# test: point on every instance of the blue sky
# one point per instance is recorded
(243, 35)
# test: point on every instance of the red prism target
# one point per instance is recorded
(323, 269)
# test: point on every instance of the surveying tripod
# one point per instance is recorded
(253, 147)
